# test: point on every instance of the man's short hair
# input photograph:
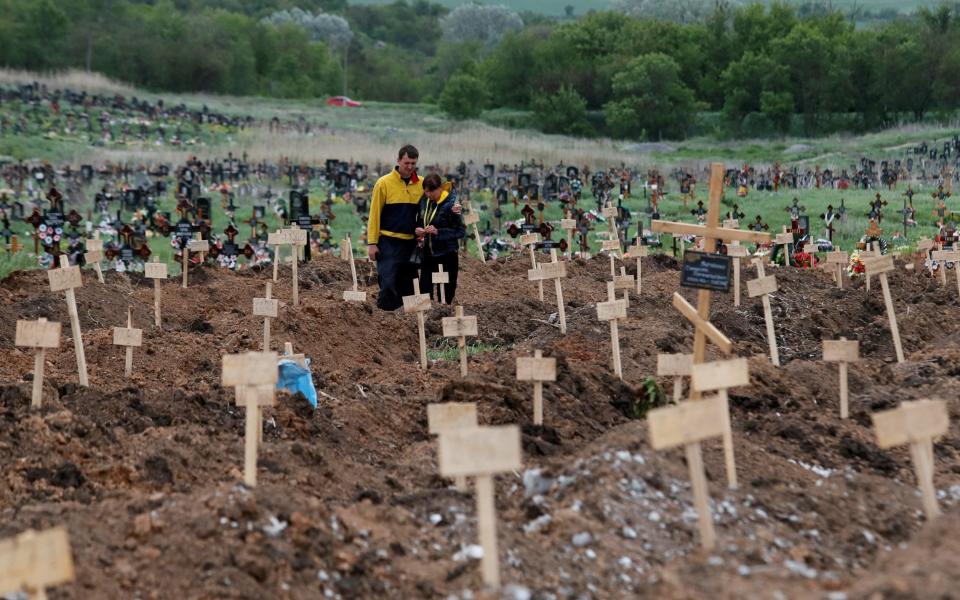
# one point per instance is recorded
(410, 151)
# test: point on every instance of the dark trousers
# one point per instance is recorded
(395, 274)
(430, 265)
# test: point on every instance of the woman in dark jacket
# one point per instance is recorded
(439, 231)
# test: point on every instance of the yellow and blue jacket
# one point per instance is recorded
(393, 207)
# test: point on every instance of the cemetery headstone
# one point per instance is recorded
(41, 335)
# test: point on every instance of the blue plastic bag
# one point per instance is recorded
(295, 378)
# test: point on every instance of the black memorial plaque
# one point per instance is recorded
(706, 271)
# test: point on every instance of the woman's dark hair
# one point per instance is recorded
(432, 182)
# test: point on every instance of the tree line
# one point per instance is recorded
(730, 69)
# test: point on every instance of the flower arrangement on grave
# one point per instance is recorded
(803, 260)
(856, 265)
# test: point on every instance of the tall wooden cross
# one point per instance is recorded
(473, 218)
(267, 308)
(530, 240)
(419, 303)
(354, 295)
(711, 232)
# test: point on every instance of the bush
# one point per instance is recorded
(464, 97)
(564, 112)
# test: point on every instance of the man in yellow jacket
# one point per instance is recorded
(390, 229)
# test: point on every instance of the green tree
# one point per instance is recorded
(564, 112)
(650, 100)
(464, 97)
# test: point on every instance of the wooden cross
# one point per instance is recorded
(677, 366)
(924, 246)
(537, 369)
(346, 249)
(266, 307)
(842, 351)
(785, 239)
(473, 218)
(764, 286)
(441, 279)
(944, 256)
(611, 213)
(34, 561)
(879, 266)
(130, 338)
(481, 453)
(624, 282)
(552, 270)
(300, 359)
(298, 239)
(94, 255)
(39, 334)
(638, 251)
(65, 279)
(612, 310)
(192, 246)
(687, 425)
(354, 295)
(916, 423)
(276, 239)
(614, 250)
(254, 375)
(569, 225)
(531, 240)
(419, 303)
(736, 252)
(870, 250)
(452, 416)
(720, 376)
(839, 260)
(460, 327)
(711, 232)
(156, 271)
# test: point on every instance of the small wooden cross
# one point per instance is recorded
(839, 260)
(192, 246)
(441, 279)
(130, 338)
(569, 225)
(916, 423)
(268, 308)
(419, 303)
(720, 376)
(254, 375)
(677, 366)
(39, 334)
(537, 369)
(612, 310)
(300, 359)
(156, 271)
(472, 219)
(460, 327)
(687, 425)
(624, 282)
(34, 561)
(842, 351)
(298, 239)
(879, 266)
(614, 251)
(94, 255)
(530, 240)
(785, 239)
(736, 252)
(276, 239)
(481, 453)
(943, 257)
(452, 416)
(611, 213)
(638, 251)
(65, 279)
(764, 286)
(354, 295)
(552, 270)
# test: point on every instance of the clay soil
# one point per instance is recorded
(145, 472)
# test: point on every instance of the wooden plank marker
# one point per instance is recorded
(537, 369)
(254, 375)
(612, 310)
(613, 249)
(201, 246)
(687, 425)
(552, 270)
(460, 327)
(611, 213)
(763, 286)
(276, 239)
(481, 453)
(472, 219)
(839, 260)
(419, 303)
(268, 308)
(569, 225)
(842, 351)
(40, 334)
(916, 423)
(300, 359)
(354, 295)
(879, 266)
(66, 279)
(346, 248)
(530, 240)
(677, 366)
(719, 376)
(638, 251)
(441, 279)
(34, 561)
(298, 239)
(736, 251)
(452, 416)
(130, 338)
(156, 271)
(785, 239)
(94, 255)
(943, 257)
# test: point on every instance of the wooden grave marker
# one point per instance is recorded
(35, 560)
(300, 359)
(612, 311)
(538, 370)
(687, 425)
(530, 240)
(916, 423)
(785, 239)
(254, 375)
(569, 225)
(276, 239)
(346, 249)
(763, 286)
(354, 295)
(41, 335)
(66, 279)
(94, 255)
(624, 282)
(298, 239)
(677, 366)
(130, 338)
(719, 376)
(481, 453)
(944, 256)
(731, 224)
(870, 251)
(268, 308)
(555, 270)
(156, 271)
(839, 260)
(460, 327)
(880, 265)
(419, 303)
(638, 251)
(611, 213)
(472, 219)
(842, 351)
(452, 416)
(736, 252)
(614, 251)
(201, 246)
(440, 279)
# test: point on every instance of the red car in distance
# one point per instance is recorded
(341, 101)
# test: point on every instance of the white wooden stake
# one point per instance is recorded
(879, 265)
(268, 308)
(720, 376)
(611, 311)
(440, 279)
(129, 338)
